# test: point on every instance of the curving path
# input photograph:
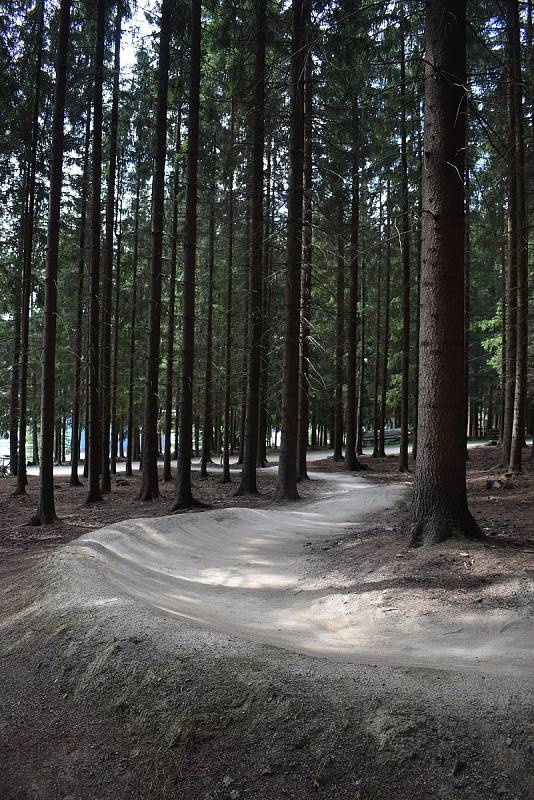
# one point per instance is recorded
(244, 572)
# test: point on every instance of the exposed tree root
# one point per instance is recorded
(439, 527)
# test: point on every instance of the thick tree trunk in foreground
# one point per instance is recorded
(107, 273)
(248, 483)
(440, 499)
(287, 470)
(94, 432)
(27, 268)
(150, 486)
(184, 496)
(351, 459)
(46, 512)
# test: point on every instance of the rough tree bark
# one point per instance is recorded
(94, 433)
(167, 473)
(228, 310)
(75, 443)
(133, 317)
(150, 486)
(46, 511)
(405, 256)
(287, 470)
(351, 460)
(27, 268)
(248, 483)
(340, 331)
(306, 278)
(184, 497)
(520, 393)
(440, 498)
(107, 271)
(207, 422)
(385, 335)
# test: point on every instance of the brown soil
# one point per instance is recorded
(93, 706)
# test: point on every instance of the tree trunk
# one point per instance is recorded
(376, 404)
(385, 339)
(184, 496)
(520, 393)
(75, 446)
(46, 512)
(116, 325)
(287, 470)
(351, 460)
(133, 317)
(228, 310)
(250, 445)
(306, 278)
(511, 271)
(94, 432)
(440, 499)
(169, 379)
(27, 269)
(207, 424)
(107, 272)
(340, 334)
(405, 256)
(149, 486)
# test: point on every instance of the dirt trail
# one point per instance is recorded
(245, 572)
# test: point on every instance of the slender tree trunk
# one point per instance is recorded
(27, 269)
(207, 425)
(405, 256)
(361, 387)
(133, 317)
(385, 339)
(149, 486)
(511, 270)
(340, 334)
(107, 272)
(46, 511)
(116, 325)
(94, 433)
(467, 302)
(287, 470)
(440, 500)
(376, 403)
(261, 460)
(228, 311)
(248, 483)
(306, 278)
(418, 293)
(167, 473)
(520, 393)
(351, 460)
(184, 496)
(75, 447)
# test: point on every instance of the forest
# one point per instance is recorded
(266, 406)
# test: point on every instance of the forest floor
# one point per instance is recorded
(112, 699)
